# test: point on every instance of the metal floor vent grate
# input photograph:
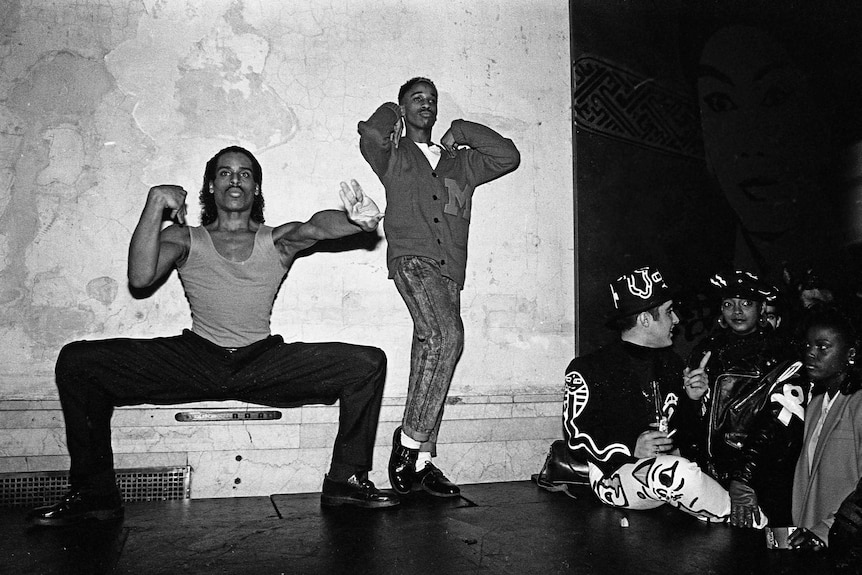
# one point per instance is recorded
(30, 489)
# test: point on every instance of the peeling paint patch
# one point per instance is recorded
(9, 294)
(103, 289)
(4, 251)
(52, 289)
(7, 177)
(65, 156)
(62, 84)
(211, 110)
(54, 326)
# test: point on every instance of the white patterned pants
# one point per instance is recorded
(653, 481)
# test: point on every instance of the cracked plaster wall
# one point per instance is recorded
(101, 99)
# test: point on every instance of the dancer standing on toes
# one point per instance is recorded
(429, 190)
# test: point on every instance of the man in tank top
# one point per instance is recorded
(231, 268)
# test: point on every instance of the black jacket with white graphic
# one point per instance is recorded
(609, 400)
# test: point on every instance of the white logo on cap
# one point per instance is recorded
(648, 281)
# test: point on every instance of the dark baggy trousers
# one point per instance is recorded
(95, 376)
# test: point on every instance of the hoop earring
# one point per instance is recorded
(722, 323)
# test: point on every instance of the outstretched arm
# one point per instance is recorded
(361, 214)
(153, 252)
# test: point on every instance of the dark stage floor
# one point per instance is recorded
(494, 528)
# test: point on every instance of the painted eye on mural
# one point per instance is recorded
(719, 102)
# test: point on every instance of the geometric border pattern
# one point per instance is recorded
(619, 104)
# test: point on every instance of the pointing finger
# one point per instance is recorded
(705, 359)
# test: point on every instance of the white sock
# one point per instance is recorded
(424, 457)
(409, 442)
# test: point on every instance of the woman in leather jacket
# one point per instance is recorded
(731, 378)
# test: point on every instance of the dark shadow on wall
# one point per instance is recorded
(366, 241)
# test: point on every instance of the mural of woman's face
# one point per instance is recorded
(764, 136)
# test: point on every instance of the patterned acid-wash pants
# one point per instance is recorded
(434, 302)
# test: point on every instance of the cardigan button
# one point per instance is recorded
(433, 174)
(435, 197)
(436, 220)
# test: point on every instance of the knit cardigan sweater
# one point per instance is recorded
(428, 209)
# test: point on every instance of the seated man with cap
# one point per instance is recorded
(620, 403)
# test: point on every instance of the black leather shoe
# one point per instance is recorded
(78, 506)
(402, 465)
(562, 469)
(359, 491)
(431, 480)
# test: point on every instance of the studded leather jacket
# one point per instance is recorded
(767, 458)
(750, 423)
(735, 370)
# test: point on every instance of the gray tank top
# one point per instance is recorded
(231, 302)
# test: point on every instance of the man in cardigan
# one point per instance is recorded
(429, 189)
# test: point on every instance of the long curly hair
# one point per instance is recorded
(209, 213)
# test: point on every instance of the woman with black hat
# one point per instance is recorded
(734, 373)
